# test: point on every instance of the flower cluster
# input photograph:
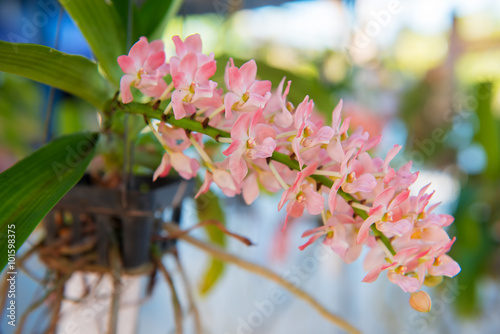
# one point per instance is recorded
(328, 170)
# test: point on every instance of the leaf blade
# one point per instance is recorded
(31, 188)
(100, 23)
(209, 208)
(73, 74)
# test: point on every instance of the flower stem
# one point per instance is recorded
(216, 112)
(202, 153)
(278, 176)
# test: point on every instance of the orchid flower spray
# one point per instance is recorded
(268, 143)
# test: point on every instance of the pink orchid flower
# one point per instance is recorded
(334, 148)
(144, 67)
(403, 263)
(309, 133)
(223, 179)
(245, 92)
(403, 178)
(250, 185)
(190, 72)
(177, 141)
(340, 233)
(355, 177)
(250, 139)
(441, 264)
(387, 214)
(184, 165)
(278, 107)
(301, 195)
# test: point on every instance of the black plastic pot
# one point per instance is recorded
(93, 219)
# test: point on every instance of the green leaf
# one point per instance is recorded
(101, 25)
(212, 275)
(209, 208)
(152, 17)
(31, 188)
(73, 74)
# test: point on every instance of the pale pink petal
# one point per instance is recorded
(311, 241)
(261, 87)
(287, 194)
(164, 167)
(375, 272)
(365, 228)
(398, 228)
(155, 91)
(296, 150)
(285, 118)
(295, 209)
(406, 283)
(178, 104)
(264, 150)
(193, 43)
(336, 115)
(189, 66)
(180, 47)
(399, 199)
(384, 198)
(236, 144)
(154, 61)
(256, 101)
(324, 134)
(125, 83)
(205, 72)
(364, 183)
(206, 184)
(234, 80)
(205, 91)
(339, 242)
(139, 51)
(184, 165)
(230, 99)
(447, 267)
(262, 131)
(238, 167)
(225, 182)
(335, 150)
(391, 154)
(317, 230)
(156, 46)
(127, 64)
(240, 128)
(315, 202)
(248, 71)
(250, 188)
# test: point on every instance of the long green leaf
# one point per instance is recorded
(100, 24)
(74, 74)
(31, 188)
(209, 208)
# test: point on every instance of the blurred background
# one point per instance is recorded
(424, 74)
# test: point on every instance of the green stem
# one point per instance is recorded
(193, 125)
